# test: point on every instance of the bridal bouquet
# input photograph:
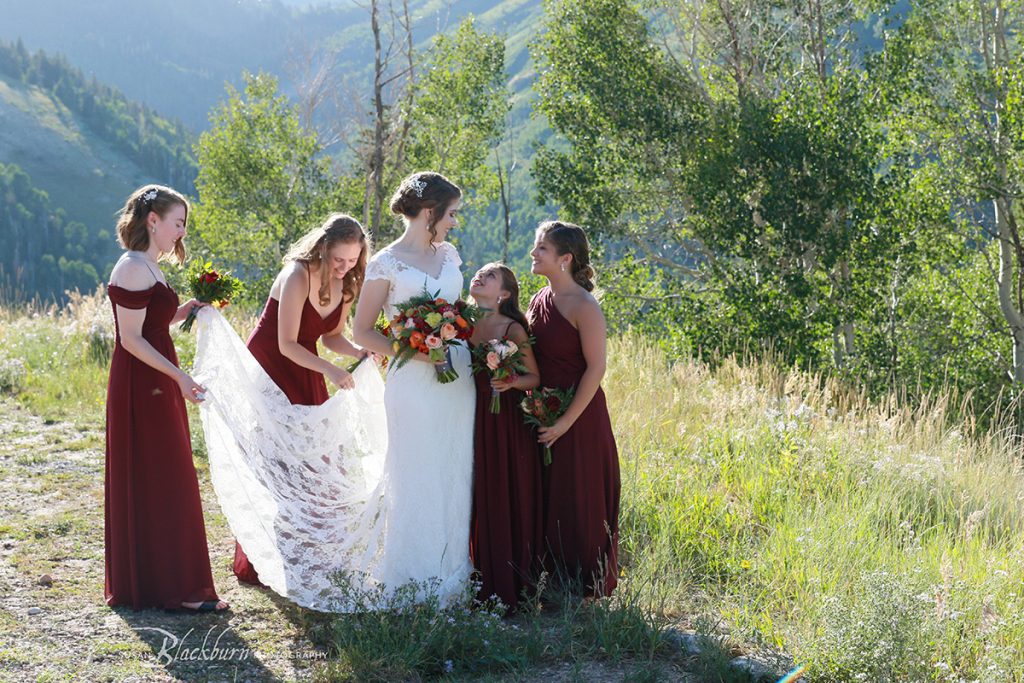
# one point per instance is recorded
(209, 286)
(503, 358)
(431, 325)
(542, 408)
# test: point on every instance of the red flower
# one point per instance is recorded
(552, 403)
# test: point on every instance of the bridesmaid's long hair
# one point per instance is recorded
(314, 247)
(425, 190)
(568, 238)
(510, 307)
(132, 232)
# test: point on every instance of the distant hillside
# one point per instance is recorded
(177, 57)
(73, 146)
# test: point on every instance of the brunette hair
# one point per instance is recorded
(425, 190)
(131, 227)
(509, 307)
(313, 249)
(568, 238)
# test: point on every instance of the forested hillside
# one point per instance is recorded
(72, 150)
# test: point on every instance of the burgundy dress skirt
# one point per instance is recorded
(155, 538)
(581, 485)
(505, 533)
(301, 385)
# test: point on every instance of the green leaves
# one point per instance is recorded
(262, 182)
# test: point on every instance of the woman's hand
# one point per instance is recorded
(341, 377)
(192, 303)
(549, 435)
(503, 385)
(191, 390)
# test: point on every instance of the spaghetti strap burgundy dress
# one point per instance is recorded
(505, 533)
(581, 485)
(155, 538)
(301, 385)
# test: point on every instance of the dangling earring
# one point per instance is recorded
(563, 267)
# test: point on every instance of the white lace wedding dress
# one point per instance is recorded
(428, 475)
(373, 487)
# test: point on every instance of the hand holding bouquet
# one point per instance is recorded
(431, 325)
(503, 358)
(382, 326)
(542, 408)
(209, 286)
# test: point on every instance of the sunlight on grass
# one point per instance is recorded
(867, 541)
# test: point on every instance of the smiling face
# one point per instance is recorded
(545, 259)
(448, 221)
(487, 285)
(342, 258)
(165, 231)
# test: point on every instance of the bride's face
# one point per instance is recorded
(448, 221)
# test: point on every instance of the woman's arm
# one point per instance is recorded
(136, 277)
(371, 302)
(294, 290)
(594, 340)
(531, 379)
(335, 339)
(184, 309)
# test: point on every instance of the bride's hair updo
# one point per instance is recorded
(568, 238)
(314, 249)
(425, 190)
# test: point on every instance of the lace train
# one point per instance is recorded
(300, 486)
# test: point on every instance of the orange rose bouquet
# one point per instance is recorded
(503, 359)
(209, 286)
(431, 325)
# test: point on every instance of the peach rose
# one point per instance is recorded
(433, 341)
(448, 331)
(493, 361)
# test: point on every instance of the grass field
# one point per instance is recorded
(775, 514)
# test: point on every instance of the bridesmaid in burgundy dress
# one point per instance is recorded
(581, 486)
(156, 554)
(505, 533)
(309, 300)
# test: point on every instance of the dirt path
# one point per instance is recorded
(54, 624)
(51, 527)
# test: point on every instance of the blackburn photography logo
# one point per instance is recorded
(190, 648)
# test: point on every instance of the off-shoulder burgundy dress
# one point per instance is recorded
(301, 385)
(581, 485)
(156, 553)
(505, 534)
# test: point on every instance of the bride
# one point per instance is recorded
(373, 486)
(429, 464)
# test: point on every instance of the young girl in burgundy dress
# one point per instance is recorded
(155, 540)
(581, 486)
(309, 301)
(505, 536)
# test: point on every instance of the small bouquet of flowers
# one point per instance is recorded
(503, 358)
(542, 408)
(431, 325)
(384, 327)
(209, 286)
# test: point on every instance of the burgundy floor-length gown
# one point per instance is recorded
(506, 531)
(581, 485)
(301, 385)
(155, 538)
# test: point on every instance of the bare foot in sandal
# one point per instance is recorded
(207, 606)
